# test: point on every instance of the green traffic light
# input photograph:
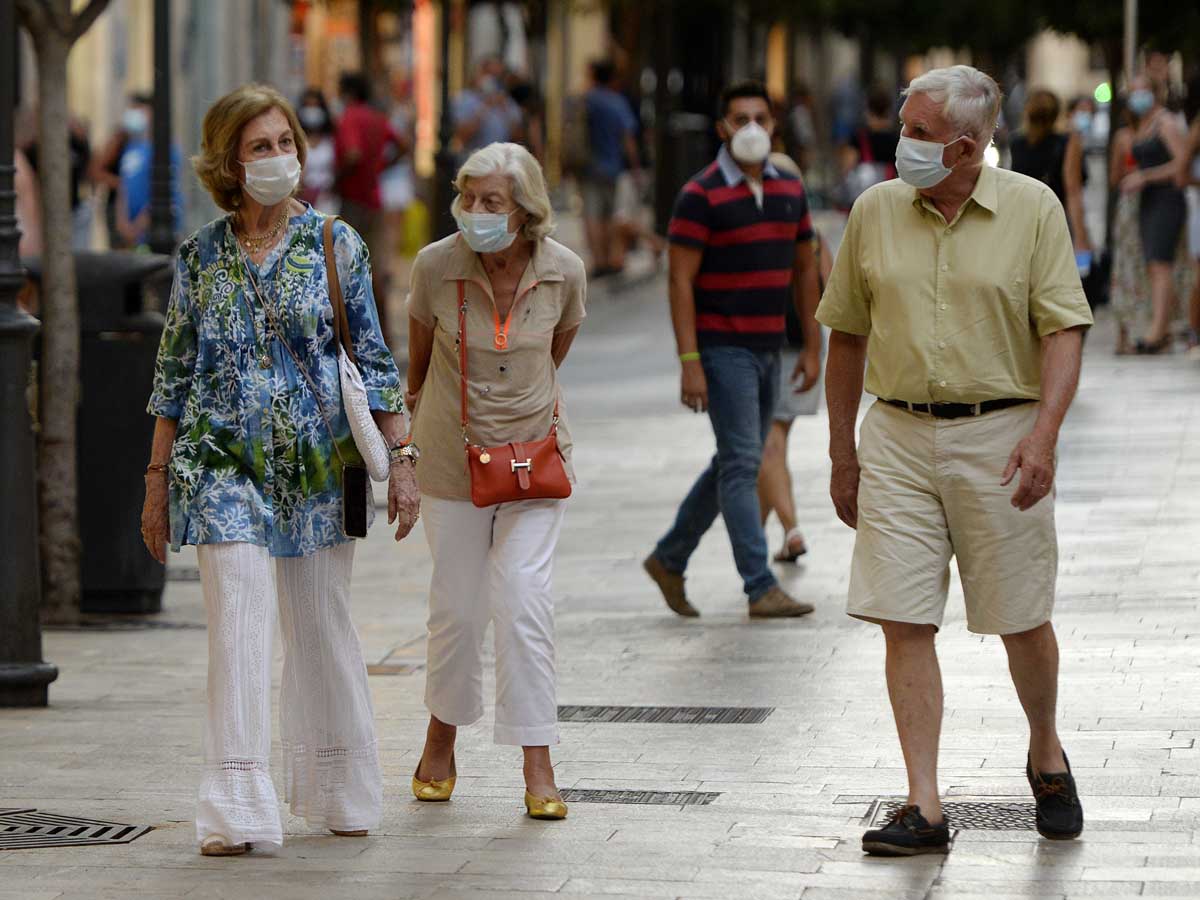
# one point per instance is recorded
(1103, 92)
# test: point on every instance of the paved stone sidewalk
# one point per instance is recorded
(121, 739)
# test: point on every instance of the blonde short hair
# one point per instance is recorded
(970, 99)
(524, 175)
(217, 164)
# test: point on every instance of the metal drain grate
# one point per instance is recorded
(667, 715)
(132, 623)
(979, 815)
(641, 798)
(24, 829)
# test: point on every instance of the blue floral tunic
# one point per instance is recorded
(253, 459)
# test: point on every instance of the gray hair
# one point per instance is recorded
(524, 175)
(970, 99)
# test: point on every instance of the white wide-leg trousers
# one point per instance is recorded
(331, 763)
(493, 565)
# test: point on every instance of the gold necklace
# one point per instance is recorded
(257, 242)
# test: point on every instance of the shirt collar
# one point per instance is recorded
(464, 264)
(984, 193)
(733, 173)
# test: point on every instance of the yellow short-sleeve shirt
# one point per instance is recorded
(955, 312)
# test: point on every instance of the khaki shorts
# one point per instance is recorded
(930, 489)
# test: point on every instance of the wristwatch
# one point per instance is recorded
(408, 451)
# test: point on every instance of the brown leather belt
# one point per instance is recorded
(959, 410)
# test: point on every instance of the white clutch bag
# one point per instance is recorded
(367, 437)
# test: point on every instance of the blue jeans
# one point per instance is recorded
(742, 389)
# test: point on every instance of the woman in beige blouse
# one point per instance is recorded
(525, 301)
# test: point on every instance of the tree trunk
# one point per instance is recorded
(59, 517)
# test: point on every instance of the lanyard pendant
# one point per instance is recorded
(501, 340)
(264, 361)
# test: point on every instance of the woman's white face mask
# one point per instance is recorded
(486, 232)
(272, 180)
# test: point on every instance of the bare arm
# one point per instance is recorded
(1186, 178)
(420, 352)
(391, 425)
(806, 294)
(29, 206)
(164, 440)
(631, 151)
(684, 263)
(843, 391)
(1116, 162)
(1062, 353)
(560, 345)
(1073, 181)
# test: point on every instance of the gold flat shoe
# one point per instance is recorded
(434, 791)
(360, 832)
(218, 846)
(545, 807)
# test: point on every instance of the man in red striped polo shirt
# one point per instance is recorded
(741, 250)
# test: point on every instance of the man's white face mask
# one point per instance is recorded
(919, 163)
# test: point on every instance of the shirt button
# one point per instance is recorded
(943, 306)
(944, 267)
(941, 384)
(941, 345)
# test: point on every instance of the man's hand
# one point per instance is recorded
(404, 500)
(843, 488)
(694, 387)
(1034, 456)
(808, 368)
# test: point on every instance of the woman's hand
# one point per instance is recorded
(156, 529)
(404, 500)
(1132, 183)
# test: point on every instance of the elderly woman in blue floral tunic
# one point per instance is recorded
(247, 465)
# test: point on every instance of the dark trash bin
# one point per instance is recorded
(119, 343)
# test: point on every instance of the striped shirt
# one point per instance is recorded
(749, 244)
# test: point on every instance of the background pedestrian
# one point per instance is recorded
(741, 251)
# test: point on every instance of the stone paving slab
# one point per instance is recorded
(121, 740)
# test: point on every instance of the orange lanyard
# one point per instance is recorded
(500, 338)
(501, 335)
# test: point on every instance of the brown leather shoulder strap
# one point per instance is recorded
(341, 322)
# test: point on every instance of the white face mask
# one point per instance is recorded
(272, 180)
(486, 232)
(919, 163)
(750, 144)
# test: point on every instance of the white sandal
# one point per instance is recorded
(788, 554)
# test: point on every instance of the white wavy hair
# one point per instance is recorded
(970, 99)
(525, 177)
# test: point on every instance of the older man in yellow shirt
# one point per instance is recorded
(957, 287)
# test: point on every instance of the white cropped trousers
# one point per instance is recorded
(493, 565)
(331, 763)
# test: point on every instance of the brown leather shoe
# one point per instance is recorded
(778, 604)
(671, 585)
